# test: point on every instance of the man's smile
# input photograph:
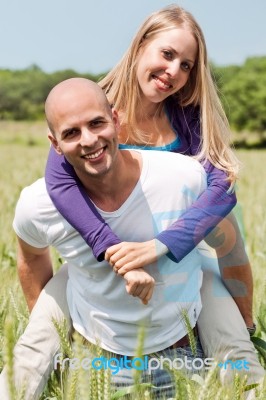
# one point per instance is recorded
(96, 154)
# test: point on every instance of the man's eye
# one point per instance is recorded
(96, 124)
(70, 133)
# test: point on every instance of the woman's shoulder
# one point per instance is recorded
(189, 112)
(185, 120)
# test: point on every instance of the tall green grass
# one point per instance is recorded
(23, 152)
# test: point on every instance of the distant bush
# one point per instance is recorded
(243, 93)
(23, 92)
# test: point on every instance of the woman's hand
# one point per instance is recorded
(126, 256)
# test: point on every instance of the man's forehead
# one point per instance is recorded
(77, 98)
(75, 107)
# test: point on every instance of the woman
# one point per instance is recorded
(166, 100)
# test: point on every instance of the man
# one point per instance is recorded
(130, 191)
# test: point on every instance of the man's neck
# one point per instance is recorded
(110, 191)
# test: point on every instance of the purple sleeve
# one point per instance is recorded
(204, 214)
(212, 205)
(71, 200)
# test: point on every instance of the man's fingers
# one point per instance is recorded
(149, 294)
(143, 292)
(131, 287)
(146, 295)
(140, 284)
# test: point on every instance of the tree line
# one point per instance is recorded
(23, 92)
(243, 94)
(242, 89)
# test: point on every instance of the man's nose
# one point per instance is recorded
(88, 138)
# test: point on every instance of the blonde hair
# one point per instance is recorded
(122, 88)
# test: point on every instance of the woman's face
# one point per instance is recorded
(165, 63)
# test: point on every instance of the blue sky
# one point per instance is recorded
(92, 35)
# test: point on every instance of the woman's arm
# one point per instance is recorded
(185, 233)
(213, 204)
(182, 236)
(202, 217)
(198, 220)
(71, 200)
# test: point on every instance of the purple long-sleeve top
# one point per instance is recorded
(72, 201)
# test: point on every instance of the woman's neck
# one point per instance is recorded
(156, 130)
(148, 110)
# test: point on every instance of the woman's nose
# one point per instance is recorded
(173, 69)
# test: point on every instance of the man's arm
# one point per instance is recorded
(234, 264)
(34, 270)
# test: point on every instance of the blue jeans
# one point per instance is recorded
(161, 379)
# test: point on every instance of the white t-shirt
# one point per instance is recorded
(100, 308)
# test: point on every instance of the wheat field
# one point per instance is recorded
(23, 151)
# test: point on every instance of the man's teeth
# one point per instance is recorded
(94, 155)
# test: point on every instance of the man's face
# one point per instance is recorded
(85, 132)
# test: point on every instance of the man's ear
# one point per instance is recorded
(54, 142)
(116, 120)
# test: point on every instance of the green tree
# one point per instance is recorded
(23, 92)
(243, 93)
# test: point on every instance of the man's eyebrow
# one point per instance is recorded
(97, 118)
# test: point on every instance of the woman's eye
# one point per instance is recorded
(168, 54)
(186, 66)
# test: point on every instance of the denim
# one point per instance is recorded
(162, 380)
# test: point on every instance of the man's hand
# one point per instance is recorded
(127, 256)
(139, 284)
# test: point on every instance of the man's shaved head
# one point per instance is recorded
(83, 127)
(63, 96)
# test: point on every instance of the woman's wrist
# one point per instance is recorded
(161, 249)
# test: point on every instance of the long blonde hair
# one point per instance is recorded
(122, 88)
